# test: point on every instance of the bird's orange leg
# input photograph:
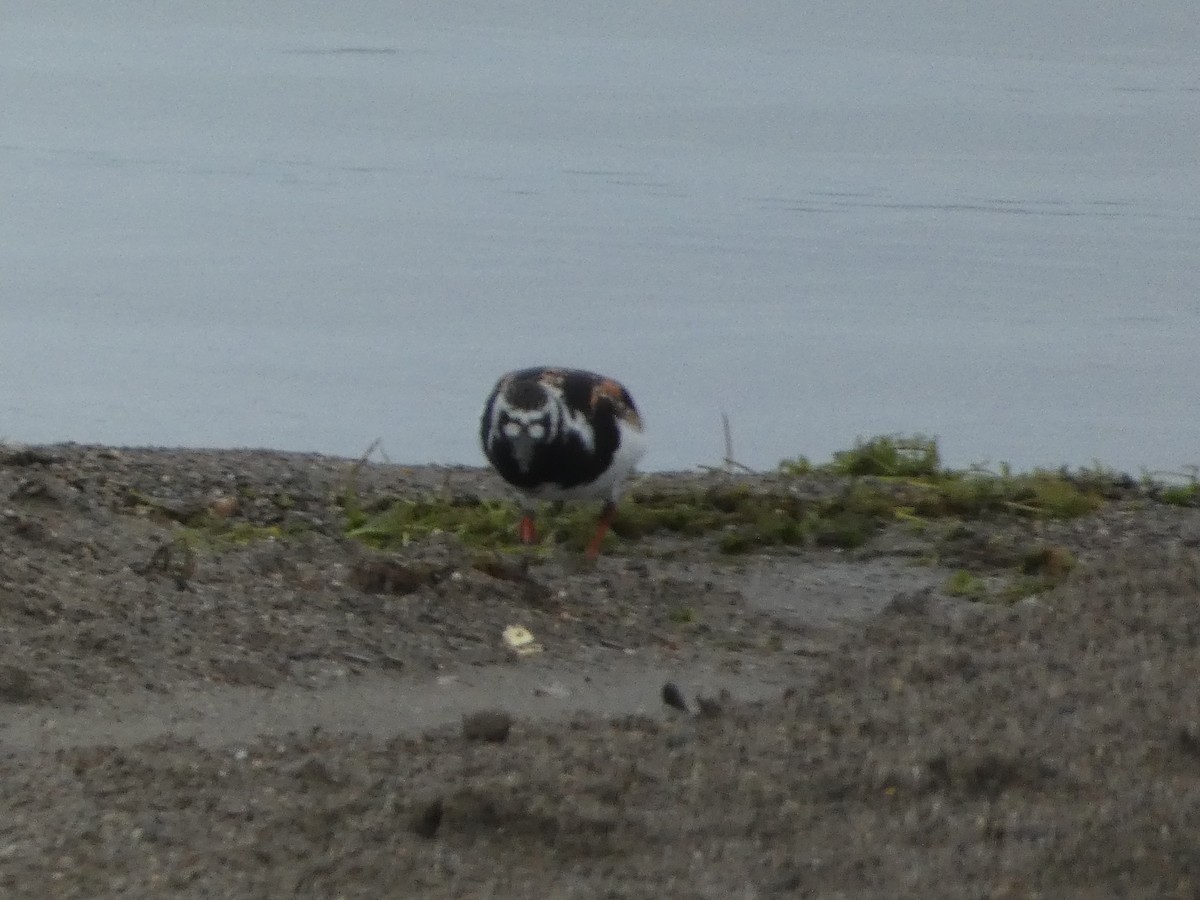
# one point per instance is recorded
(606, 518)
(527, 530)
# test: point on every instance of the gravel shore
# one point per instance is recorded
(289, 713)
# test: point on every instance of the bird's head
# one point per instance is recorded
(528, 415)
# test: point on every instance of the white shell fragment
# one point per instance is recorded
(521, 641)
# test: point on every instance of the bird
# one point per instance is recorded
(557, 433)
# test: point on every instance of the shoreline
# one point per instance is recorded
(1181, 473)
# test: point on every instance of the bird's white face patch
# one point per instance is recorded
(530, 421)
(546, 422)
(511, 422)
(524, 428)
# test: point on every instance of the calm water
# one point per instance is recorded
(308, 227)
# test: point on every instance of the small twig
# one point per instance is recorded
(357, 466)
(729, 462)
(349, 496)
(362, 460)
(1021, 507)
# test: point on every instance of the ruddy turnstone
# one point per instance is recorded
(563, 434)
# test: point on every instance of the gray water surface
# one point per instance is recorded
(306, 227)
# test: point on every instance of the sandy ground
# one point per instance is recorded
(302, 716)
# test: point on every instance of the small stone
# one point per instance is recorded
(384, 575)
(427, 821)
(25, 456)
(709, 707)
(673, 697)
(248, 672)
(18, 686)
(487, 725)
(314, 771)
(223, 507)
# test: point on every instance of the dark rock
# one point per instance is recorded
(384, 575)
(26, 456)
(673, 697)
(18, 686)
(487, 725)
(427, 820)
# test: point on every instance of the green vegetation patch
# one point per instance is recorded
(891, 456)
(842, 503)
(1181, 494)
(743, 519)
(963, 584)
(481, 523)
(1039, 570)
(212, 534)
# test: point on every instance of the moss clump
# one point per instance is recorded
(894, 456)
(1055, 497)
(1049, 561)
(1038, 494)
(963, 584)
(1181, 494)
(682, 615)
(486, 523)
(797, 466)
(745, 519)
(214, 535)
(906, 476)
(846, 530)
(1022, 587)
(1040, 569)
(897, 478)
(735, 543)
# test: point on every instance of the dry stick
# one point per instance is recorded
(362, 460)
(728, 463)
(351, 486)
